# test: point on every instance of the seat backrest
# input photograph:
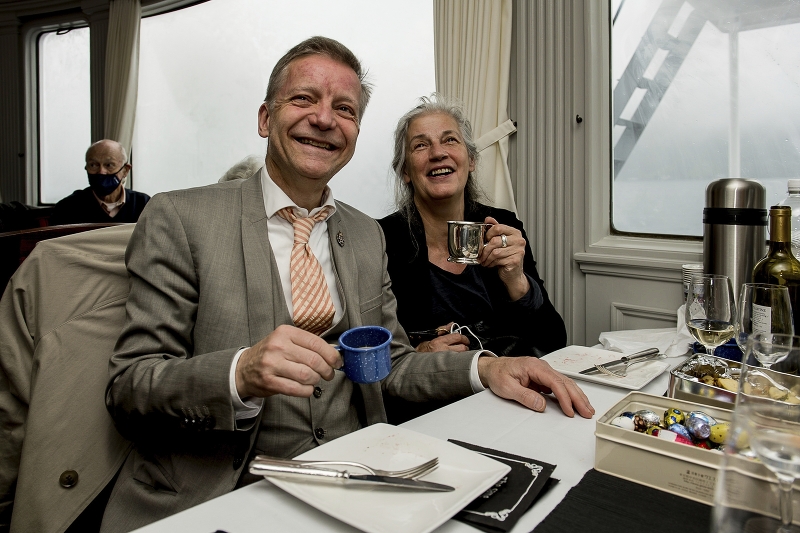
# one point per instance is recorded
(15, 246)
(17, 216)
(62, 312)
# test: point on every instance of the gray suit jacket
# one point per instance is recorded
(204, 284)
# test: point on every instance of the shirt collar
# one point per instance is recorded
(275, 199)
(108, 207)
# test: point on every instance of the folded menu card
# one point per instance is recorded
(502, 505)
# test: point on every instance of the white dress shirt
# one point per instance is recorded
(112, 208)
(281, 238)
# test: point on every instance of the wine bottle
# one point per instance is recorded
(779, 266)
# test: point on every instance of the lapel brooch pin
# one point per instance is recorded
(340, 239)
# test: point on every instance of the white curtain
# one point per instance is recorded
(473, 54)
(122, 70)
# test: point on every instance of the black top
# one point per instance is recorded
(464, 299)
(82, 207)
(528, 326)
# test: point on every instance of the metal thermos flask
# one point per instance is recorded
(734, 229)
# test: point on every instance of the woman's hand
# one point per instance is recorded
(454, 342)
(507, 259)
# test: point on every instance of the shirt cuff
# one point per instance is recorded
(248, 407)
(474, 378)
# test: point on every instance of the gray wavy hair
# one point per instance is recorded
(318, 46)
(243, 169)
(436, 103)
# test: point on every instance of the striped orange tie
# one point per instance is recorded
(311, 299)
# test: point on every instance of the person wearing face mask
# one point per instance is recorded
(105, 199)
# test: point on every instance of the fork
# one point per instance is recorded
(624, 372)
(413, 472)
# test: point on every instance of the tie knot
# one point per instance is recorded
(303, 225)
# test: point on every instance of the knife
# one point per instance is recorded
(644, 354)
(325, 474)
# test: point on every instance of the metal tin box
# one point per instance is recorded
(681, 469)
(697, 391)
(677, 468)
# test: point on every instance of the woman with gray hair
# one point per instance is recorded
(501, 301)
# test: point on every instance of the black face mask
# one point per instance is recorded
(104, 184)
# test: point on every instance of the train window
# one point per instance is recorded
(701, 91)
(203, 74)
(64, 112)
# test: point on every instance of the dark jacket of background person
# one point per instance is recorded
(82, 207)
(540, 331)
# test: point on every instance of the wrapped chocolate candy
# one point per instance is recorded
(719, 432)
(680, 430)
(699, 425)
(673, 437)
(645, 418)
(673, 416)
(623, 422)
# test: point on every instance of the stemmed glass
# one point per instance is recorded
(763, 308)
(710, 310)
(767, 422)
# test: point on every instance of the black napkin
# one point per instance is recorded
(607, 504)
(500, 507)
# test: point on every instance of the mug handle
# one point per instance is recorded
(338, 349)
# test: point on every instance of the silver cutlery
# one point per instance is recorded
(628, 360)
(306, 472)
(621, 373)
(413, 472)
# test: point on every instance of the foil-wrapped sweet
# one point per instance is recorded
(719, 432)
(644, 419)
(695, 428)
(711, 371)
(680, 429)
(673, 416)
(623, 422)
(699, 425)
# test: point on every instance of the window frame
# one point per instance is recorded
(36, 102)
(605, 247)
(30, 35)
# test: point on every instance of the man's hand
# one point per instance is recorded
(525, 379)
(287, 361)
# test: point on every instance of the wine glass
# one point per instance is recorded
(766, 424)
(711, 310)
(763, 308)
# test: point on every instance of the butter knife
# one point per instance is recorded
(644, 354)
(324, 474)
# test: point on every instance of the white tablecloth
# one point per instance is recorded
(482, 419)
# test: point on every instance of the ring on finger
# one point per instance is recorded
(504, 241)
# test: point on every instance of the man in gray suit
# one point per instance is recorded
(210, 369)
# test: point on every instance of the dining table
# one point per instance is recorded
(482, 419)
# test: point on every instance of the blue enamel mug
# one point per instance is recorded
(366, 352)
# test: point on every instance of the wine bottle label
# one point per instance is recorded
(762, 319)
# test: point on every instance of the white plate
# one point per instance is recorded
(572, 359)
(378, 509)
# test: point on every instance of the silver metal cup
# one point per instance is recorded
(465, 241)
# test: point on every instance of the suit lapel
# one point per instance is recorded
(344, 261)
(266, 308)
